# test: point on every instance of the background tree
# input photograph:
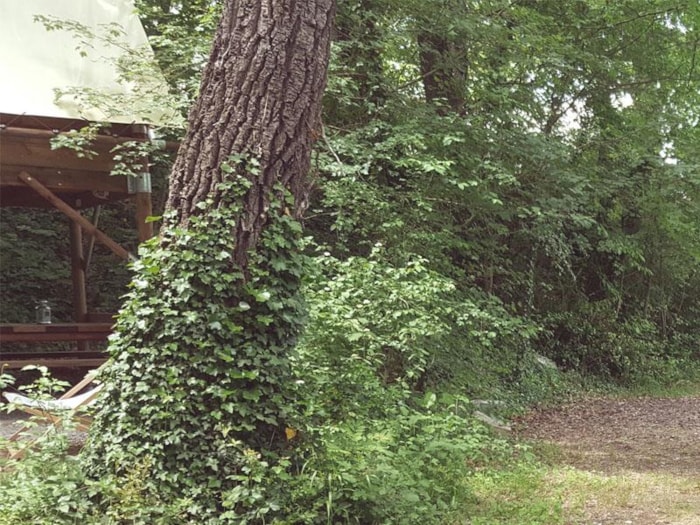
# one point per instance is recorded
(534, 178)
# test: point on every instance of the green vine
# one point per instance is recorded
(199, 366)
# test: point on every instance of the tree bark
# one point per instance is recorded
(260, 98)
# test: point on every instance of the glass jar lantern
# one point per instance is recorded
(43, 312)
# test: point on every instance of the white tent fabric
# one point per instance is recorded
(34, 62)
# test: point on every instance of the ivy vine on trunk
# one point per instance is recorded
(198, 378)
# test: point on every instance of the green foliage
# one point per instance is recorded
(542, 196)
(553, 178)
(130, 157)
(410, 466)
(78, 141)
(181, 41)
(605, 345)
(380, 315)
(35, 258)
(45, 488)
(45, 386)
(6, 379)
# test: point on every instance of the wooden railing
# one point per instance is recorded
(41, 333)
(50, 333)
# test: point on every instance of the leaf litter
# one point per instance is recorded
(643, 453)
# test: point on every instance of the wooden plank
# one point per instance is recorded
(28, 198)
(32, 328)
(77, 266)
(101, 141)
(48, 124)
(26, 151)
(22, 328)
(50, 337)
(68, 359)
(70, 354)
(65, 180)
(74, 215)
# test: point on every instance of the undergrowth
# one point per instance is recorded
(377, 427)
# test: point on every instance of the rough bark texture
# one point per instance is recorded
(260, 98)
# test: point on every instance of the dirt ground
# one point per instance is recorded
(650, 443)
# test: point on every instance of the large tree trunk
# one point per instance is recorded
(259, 99)
(199, 376)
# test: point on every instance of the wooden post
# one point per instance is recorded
(78, 272)
(78, 277)
(144, 205)
(144, 209)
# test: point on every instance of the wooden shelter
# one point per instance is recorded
(32, 173)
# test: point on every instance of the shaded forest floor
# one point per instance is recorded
(622, 461)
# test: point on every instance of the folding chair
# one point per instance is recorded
(55, 410)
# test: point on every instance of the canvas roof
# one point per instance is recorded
(34, 62)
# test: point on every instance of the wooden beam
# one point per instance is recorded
(36, 337)
(36, 152)
(28, 356)
(91, 240)
(63, 179)
(54, 362)
(138, 133)
(77, 266)
(31, 148)
(73, 215)
(41, 333)
(45, 124)
(27, 198)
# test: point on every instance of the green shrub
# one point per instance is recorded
(382, 315)
(47, 487)
(595, 341)
(373, 323)
(409, 467)
(44, 487)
